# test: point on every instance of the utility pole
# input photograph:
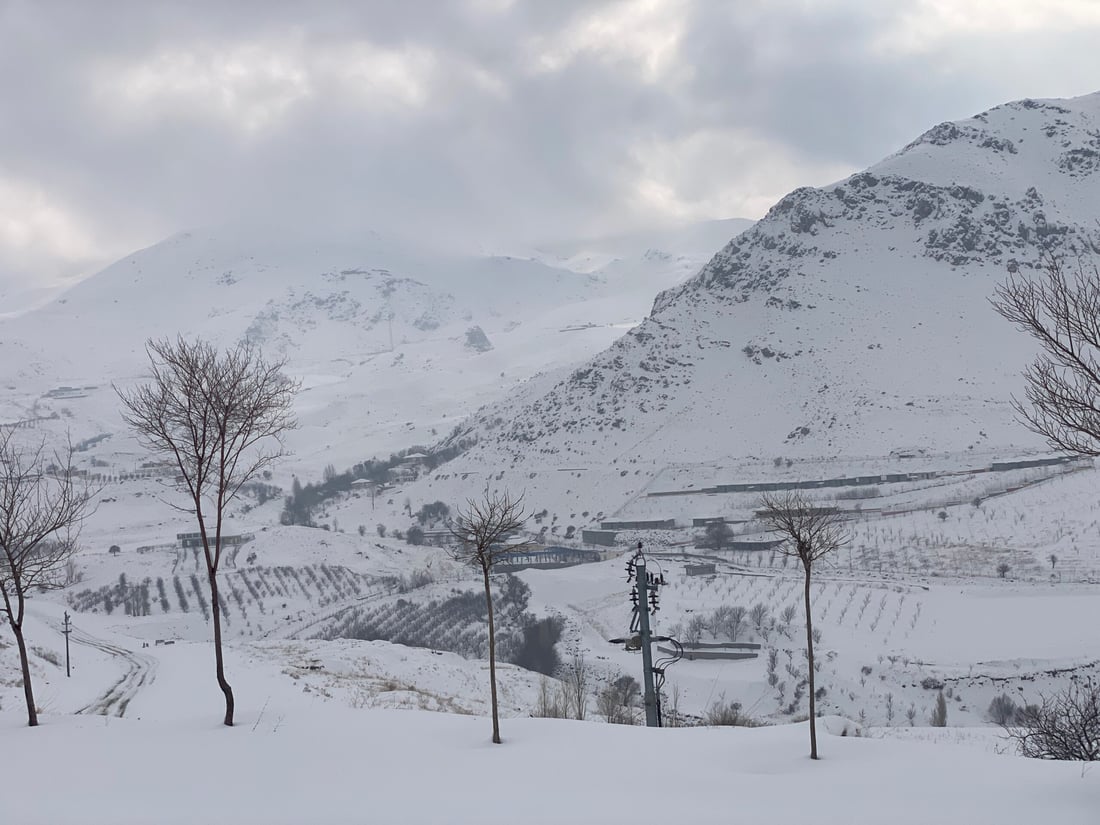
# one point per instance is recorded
(67, 628)
(650, 696)
(644, 598)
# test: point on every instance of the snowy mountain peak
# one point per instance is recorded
(852, 319)
(1002, 184)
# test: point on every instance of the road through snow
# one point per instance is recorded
(141, 670)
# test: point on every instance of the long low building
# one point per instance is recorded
(546, 558)
(605, 538)
(652, 524)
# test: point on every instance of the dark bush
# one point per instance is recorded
(1066, 726)
(616, 702)
(537, 649)
(433, 512)
(1002, 710)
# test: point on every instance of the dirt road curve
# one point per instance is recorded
(141, 670)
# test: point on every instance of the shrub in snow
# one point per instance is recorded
(537, 649)
(1002, 710)
(617, 703)
(1065, 726)
(939, 713)
(727, 714)
(552, 704)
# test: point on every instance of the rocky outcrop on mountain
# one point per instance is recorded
(477, 340)
(850, 319)
(370, 301)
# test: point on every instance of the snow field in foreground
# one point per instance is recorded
(329, 766)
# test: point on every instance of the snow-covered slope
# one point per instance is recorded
(291, 295)
(394, 342)
(851, 320)
(293, 763)
(634, 255)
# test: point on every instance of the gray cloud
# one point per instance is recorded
(480, 119)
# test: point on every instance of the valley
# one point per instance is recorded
(631, 396)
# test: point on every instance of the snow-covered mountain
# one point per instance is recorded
(851, 320)
(395, 342)
(636, 255)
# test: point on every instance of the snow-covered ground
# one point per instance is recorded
(312, 763)
(966, 572)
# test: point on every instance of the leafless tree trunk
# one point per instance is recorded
(1061, 310)
(221, 418)
(811, 533)
(480, 532)
(41, 510)
(734, 621)
(575, 675)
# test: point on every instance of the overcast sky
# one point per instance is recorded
(495, 121)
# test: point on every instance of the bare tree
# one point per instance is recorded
(717, 620)
(758, 615)
(221, 417)
(1002, 710)
(810, 534)
(693, 632)
(575, 675)
(1061, 310)
(734, 621)
(617, 702)
(550, 704)
(1065, 726)
(480, 532)
(43, 504)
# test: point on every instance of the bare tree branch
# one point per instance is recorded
(221, 417)
(1061, 310)
(1065, 726)
(811, 533)
(481, 532)
(42, 507)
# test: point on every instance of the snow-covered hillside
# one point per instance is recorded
(394, 342)
(852, 319)
(845, 344)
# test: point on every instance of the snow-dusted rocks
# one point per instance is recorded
(850, 320)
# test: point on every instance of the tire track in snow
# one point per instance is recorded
(141, 671)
